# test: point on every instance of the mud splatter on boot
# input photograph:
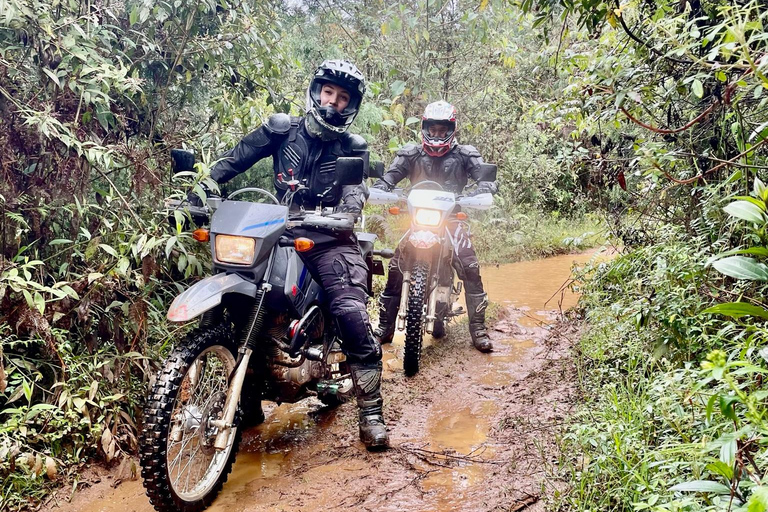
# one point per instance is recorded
(477, 303)
(367, 381)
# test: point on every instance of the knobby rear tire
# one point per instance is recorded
(158, 419)
(414, 320)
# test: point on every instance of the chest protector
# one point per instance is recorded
(451, 170)
(313, 162)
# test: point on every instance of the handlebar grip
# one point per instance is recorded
(384, 253)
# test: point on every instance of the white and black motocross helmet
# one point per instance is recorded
(443, 113)
(344, 74)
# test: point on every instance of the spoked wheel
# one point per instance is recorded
(414, 320)
(181, 468)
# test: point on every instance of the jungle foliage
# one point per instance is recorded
(672, 96)
(94, 94)
(649, 112)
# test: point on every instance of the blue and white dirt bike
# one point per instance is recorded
(263, 330)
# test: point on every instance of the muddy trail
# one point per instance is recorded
(470, 432)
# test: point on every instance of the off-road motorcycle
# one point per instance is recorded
(430, 287)
(263, 332)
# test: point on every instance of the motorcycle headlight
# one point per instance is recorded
(427, 217)
(240, 250)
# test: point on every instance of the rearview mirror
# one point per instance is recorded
(487, 172)
(183, 160)
(349, 170)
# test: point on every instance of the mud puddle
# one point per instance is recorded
(470, 432)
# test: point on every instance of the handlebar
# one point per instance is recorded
(175, 204)
(478, 202)
(427, 182)
(319, 221)
(254, 189)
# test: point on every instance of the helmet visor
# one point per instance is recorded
(437, 132)
(316, 88)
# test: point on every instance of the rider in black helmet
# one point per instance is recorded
(306, 149)
(440, 158)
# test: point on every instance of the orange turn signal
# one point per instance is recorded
(462, 216)
(303, 244)
(394, 210)
(201, 235)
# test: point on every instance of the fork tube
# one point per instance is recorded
(233, 397)
(431, 310)
(403, 309)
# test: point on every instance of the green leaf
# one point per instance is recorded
(109, 249)
(60, 241)
(759, 133)
(697, 88)
(411, 120)
(738, 310)
(745, 210)
(758, 501)
(388, 122)
(397, 88)
(741, 267)
(728, 450)
(702, 486)
(721, 468)
(39, 302)
(169, 246)
(52, 75)
(93, 276)
(711, 406)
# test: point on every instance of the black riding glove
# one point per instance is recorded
(383, 185)
(484, 187)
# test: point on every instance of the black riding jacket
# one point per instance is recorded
(298, 155)
(452, 170)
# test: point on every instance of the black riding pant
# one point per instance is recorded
(339, 267)
(464, 261)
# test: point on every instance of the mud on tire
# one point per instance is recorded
(414, 320)
(158, 418)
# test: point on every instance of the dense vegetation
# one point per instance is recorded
(672, 363)
(650, 114)
(93, 95)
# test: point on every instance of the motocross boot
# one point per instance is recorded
(476, 306)
(367, 382)
(385, 331)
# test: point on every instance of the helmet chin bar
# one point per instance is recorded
(320, 129)
(436, 149)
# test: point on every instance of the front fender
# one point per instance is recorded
(206, 294)
(423, 239)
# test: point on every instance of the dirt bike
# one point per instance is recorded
(430, 287)
(263, 333)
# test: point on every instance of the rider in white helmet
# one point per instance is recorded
(439, 158)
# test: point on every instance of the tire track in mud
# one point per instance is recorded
(469, 432)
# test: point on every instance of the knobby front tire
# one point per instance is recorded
(181, 469)
(414, 320)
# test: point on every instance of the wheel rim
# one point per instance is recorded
(193, 466)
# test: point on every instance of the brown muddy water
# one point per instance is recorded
(448, 442)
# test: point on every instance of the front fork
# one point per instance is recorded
(403, 309)
(233, 398)
(245, 352)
